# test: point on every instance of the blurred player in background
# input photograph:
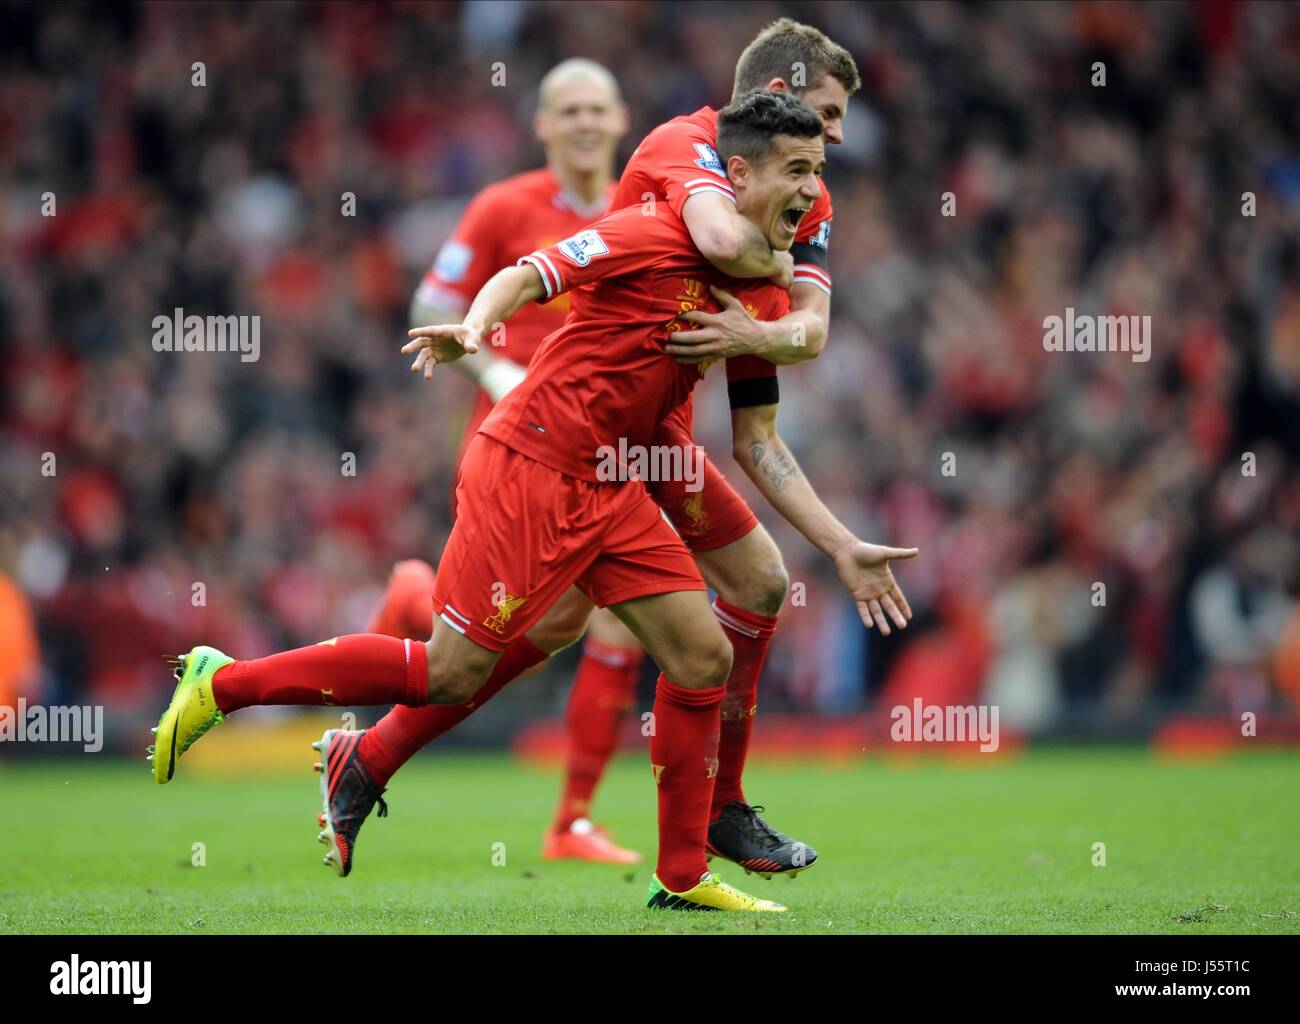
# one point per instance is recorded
(678, 164)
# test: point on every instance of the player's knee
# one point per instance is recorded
(715, 664)
(703, 665)
(749, 573)
(456, 680)
(453, 687)
(771, 586)
(762, 589)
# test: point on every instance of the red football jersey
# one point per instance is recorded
(679, 159)
(503, 222)
(604, 376)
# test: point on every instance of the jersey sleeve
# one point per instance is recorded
(679, 160)
(812, 243)
(622, 242)
(469, 257)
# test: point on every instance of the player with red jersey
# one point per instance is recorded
(540, 511)
(579, 122)
(678, 164)
(524, 212)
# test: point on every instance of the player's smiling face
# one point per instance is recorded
(779, 191)
(581, 124)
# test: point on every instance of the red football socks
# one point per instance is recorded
(683, 755)
(604, 690)
(397, 736)
(348, 671)
(750, 635)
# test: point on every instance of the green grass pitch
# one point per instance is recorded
(926, 846)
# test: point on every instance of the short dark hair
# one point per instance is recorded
(747, 127)
(783, 46)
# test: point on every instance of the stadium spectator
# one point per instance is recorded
(174, 155)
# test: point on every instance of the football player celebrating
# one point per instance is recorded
(538, 515)
(580, 119)
(678, 163)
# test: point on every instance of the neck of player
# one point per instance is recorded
(588, 186)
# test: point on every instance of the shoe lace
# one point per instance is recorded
(383, 807)
(767, 833)
(714, 882)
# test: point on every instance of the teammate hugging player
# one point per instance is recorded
(535, 518)
(678, 164)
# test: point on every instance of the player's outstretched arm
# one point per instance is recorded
(734, 245)
(494, 374)
(505, 293)
(863, 568)
(799, 335)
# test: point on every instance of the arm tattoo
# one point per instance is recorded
(777, 465)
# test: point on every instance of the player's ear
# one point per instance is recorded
(738, 169)
(623, 120)
(778, 85)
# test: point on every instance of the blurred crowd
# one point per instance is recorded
(1099, 536)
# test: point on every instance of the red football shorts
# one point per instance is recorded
(707, 512)
(525, 533)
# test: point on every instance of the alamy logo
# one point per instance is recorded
(922, 723)
(102, 978)
(1084, 332)
(60, 724)
(656, 464)
(181, 333)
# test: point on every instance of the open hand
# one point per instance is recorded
(440, 343)
(864, 571)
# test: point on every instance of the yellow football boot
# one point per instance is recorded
(712, 893)
(192, 712)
